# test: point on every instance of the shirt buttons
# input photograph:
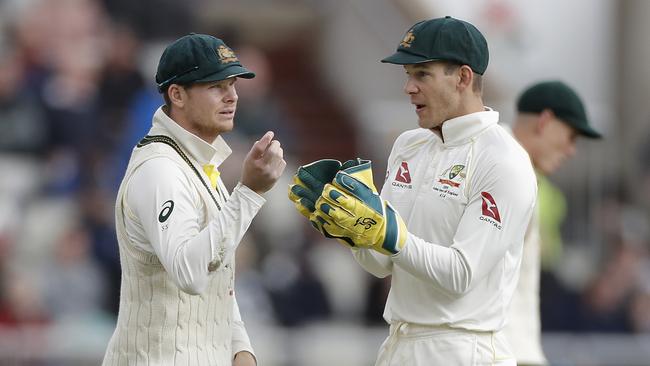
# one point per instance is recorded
(404, 329)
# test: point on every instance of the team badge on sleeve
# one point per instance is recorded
(403, 173)
(490, 211)
(403, 176)
(489, 207)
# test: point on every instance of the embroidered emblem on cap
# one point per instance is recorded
(408, 39)
(226, 55)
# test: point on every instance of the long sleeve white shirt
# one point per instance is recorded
(466, 201)
(183, 242)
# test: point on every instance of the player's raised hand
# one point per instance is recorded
(263, 164)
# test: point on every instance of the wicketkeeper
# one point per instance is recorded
(450, 221)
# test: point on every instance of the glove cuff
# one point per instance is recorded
(396, 232)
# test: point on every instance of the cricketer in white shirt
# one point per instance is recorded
(550, 118)
(170, 230)
(467, 200)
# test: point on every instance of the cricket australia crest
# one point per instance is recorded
(408, 39)
(226, 55)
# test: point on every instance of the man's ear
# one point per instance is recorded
(543, 120)
(465, 77)
(177, 95)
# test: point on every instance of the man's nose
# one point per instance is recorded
(410, 87)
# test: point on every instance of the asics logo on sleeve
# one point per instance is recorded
(489, 207)
(166, 211)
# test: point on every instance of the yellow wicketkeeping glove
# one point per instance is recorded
(351, 208)
(308, 183)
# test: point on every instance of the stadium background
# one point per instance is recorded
(76, 93)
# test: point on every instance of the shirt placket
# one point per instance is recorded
(424, 175)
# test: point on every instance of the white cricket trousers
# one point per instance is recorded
(417, 345)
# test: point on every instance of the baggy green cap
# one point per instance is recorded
(562, 100)
(197, 58)
(443, 39)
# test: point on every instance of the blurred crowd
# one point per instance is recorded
(77, 93)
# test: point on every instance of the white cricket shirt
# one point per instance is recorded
(466, 201)
(177, 238)
(524, 330)
(183, 246)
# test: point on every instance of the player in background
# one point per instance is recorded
(450, 221)
(177, 225)
(550, 117)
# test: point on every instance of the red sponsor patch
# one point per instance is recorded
(489, 207)
(403, 175)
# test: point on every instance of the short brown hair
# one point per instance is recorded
(165, 95)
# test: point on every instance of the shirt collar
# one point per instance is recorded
(460, 129)
(199, 150)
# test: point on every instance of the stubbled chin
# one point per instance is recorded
(424, 123)
(223, 120)
(228, 126)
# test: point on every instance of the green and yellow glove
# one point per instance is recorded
(308, 183)
(310, 179)
(351, 208)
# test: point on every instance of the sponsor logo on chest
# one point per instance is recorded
(448, 183)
